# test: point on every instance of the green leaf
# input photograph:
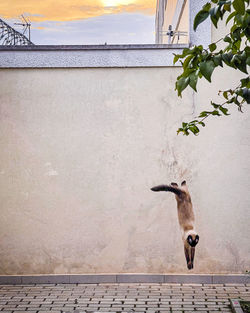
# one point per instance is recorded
(202, 123)
(216, 106)
(248, 61)
(215, 112)
(239, 6)
(199, 74)
(213, 15)
(236, 45)
(204, 114)
(246, 95)
(218, 60)
(223, 110)
(176, 58)
(236, 33)
(239, 19)
(200, 17)
(227, 7)
(247, 32)
(230, 16)
(194, 129)
(233, 99)
(207, 6)
(239, 63)
(207, 68)
(245, 82)
(185, 52)
(246, 19)
(181, 84)
(227, 57)
(227, 39)
(212, 47)
(180, 130)
(242, 67)
(193, 81)
(225, 95)
(187, 60)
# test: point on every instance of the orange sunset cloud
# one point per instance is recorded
(69, 10)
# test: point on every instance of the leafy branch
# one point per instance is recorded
(198, 62)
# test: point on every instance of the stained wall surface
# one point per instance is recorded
(80, 150)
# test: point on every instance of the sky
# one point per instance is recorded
(84, 21)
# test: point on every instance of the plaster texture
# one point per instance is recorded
(58, 57)
(80, 150)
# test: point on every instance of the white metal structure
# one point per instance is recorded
(169, 15)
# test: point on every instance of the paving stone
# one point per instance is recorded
(50, 311)
(120, 297)
(20, 311)
(128, 306)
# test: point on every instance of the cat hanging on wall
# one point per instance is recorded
(186, 218)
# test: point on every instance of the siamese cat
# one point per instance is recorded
(186, 218)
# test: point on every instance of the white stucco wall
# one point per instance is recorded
(80, 150)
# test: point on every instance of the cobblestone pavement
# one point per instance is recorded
(146, 298)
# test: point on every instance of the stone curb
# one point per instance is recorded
(124, 278)
(76, 311)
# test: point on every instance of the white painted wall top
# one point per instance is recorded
(88, 56)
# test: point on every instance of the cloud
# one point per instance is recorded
(70, 10)
(124, 28)
(134, 8)
(39, 27)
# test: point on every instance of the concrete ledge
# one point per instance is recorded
(189, 278)
(140, 278)
(116, 56)
(124, 278)
(227, 279)
(92, 279)
(11, 280)
(91, 47)
(45, 279)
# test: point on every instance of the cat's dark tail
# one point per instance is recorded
(175, 190)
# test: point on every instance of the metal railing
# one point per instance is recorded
(173, 34)
(11, 37)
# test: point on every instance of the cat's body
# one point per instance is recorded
(186, 218)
